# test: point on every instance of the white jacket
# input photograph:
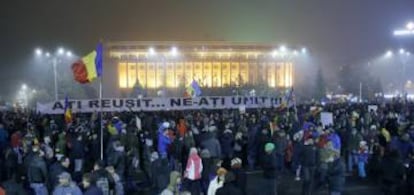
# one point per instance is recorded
(214, 186)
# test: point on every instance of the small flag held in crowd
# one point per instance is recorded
(89, 67)
(68, 111)
(193, 90)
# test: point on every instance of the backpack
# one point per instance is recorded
(103, 184)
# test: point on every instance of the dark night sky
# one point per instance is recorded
(341, 31)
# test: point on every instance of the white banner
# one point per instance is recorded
(158, 104)
(326, 118)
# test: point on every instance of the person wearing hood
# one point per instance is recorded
(173, 186)
(269, 165)
(193, 171)
(163, 140)
(208, 169)
(217, 182)
(229, 186)
(66, 186)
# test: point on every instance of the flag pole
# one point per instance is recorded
(101, 114)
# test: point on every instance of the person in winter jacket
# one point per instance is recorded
(119, 188)
(14, 186)
(217, 182)
(336, 177)
(37, 172)
(90, 188)
(102, 178)
(212, 145)
(227, 144)
(353, 146)
(60, 146)
(57, 168)
(193, 171)
(209, 168)
(77, 154)
(240, 174)
(159, 172)
(308, 160)
(163, 140)
(269, 166)
(362, 158)
(117, 158)
(66, 186)
(4, 138)
(173, 186)
(229, 186)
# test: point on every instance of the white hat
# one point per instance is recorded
(236, 161)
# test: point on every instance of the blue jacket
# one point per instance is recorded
(72, 189)
(163, 142)
(93, 190)
(4, 136)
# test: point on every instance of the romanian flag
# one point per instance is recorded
(68, 111)
(89, 67)
(193, 89)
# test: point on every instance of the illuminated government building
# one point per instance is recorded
(173, 65)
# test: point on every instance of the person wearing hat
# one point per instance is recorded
(240, 174)
(173, 186)
(229, 186)
(66, 186)
(269, 169)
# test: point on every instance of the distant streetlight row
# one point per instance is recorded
(401, 51)
(60, 51)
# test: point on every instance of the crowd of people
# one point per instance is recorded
(208, 151)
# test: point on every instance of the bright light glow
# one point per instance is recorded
(34, 91)
(151, 51)
(389, 54)
(295, 52)
(275, 53)
(402, 51)
(69, 54)
(408, 53)
(304, 50)
(403, 32)
(174, 51)
(282, 48)
(410, 26)
(47, 54)
(38, 52)
(61, 51)
(24, 87)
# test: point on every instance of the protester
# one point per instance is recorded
(90, 188)
(240, 174)
(193, 171)
(229, 187)
(173, 186)
(217, 181)
(269, 165)
(66, 186)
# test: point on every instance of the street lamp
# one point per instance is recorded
(24, 87)
(389, 54)
(55, 58)
(407, 31)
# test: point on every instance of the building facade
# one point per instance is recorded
(174, 65)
